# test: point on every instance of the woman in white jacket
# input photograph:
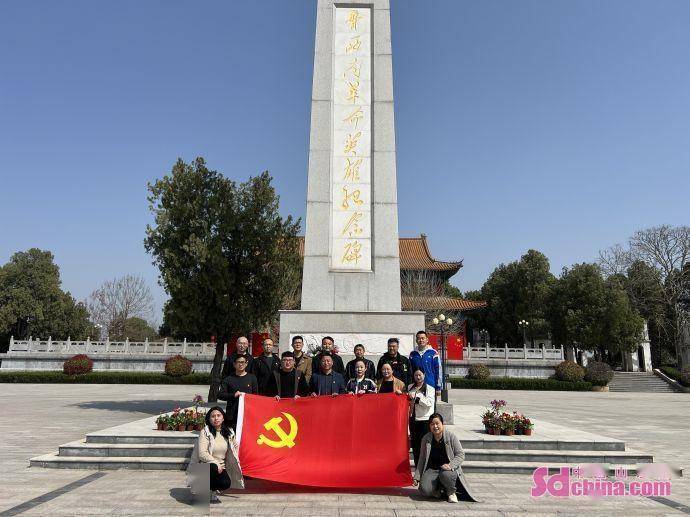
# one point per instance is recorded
(217, 447)
(421, 397)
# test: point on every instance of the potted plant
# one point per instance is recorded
(508, 424)
(159, 422)
(495, 425)
(517, 418)
(526, 425)
(190, 419)
(486, 419)
(200, 421)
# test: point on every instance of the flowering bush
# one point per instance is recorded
(497, 421)
(178, 366)
(77, 365)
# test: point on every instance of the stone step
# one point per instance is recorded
(54, 461)
(81, 448)
(535, 444)
(526, 467)
(551, 456)
(157, 437)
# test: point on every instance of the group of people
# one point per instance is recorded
(437, 454)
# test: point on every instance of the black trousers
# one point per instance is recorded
(418, 428)
(219, 481)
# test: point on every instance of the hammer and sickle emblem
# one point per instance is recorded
(285, 439)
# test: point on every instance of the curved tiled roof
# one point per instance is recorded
(440, 302)
(415, 254)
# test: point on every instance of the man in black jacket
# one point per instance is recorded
(287, 382)
(399, 363)
(370, 372)
(242, 346)
(264, 365)
(327, 349)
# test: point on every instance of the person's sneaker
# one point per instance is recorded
(452, 498)
(214, 499)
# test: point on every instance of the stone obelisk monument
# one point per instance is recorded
(351, 276)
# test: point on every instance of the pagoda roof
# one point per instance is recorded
(415, 255)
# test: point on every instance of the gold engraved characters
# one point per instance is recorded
(355, 117)
(353, 45)
(353, 252)
(352, 169)
(353, 197)
(351, 142)
(352, 227)
(353, 18)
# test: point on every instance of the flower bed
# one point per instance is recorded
(498, 422)
(183, 419)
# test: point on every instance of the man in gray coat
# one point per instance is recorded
(439, 464)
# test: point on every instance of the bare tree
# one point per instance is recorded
(422, 289)
(615, 260)
(114, 302)
(666, 249)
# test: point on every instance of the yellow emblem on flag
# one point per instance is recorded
(284, 439)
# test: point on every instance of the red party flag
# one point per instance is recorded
(343, 441)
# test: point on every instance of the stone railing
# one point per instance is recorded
(165, 347)
(514, 353)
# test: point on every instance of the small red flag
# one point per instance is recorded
(343, 441)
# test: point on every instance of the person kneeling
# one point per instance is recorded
(439, 464)
(217, 447)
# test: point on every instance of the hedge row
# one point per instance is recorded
(513, 383)
(674, 373)
(58, 377)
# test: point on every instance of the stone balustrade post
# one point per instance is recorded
(469, 351)
(88, 344)
(505, 352)
(67, 345)
(543, 351)
(107, 343)
(11, 343)
(165, 346)
(561, 352)
(524, 351)
(50, 342)
(184, 347)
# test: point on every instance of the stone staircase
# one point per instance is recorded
(639, 382)
(139, 446)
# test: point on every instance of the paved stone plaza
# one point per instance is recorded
(655, 423)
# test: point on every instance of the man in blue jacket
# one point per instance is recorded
(427, 359)
(327, 381)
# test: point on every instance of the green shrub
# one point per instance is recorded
(517, 383)
(598, 373)
(478, 371)
(177, 366)
(108, 377)
(675, 374)
(77, 365)
(570, 371)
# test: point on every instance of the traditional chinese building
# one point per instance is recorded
(422, 280)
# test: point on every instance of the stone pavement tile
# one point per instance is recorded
(417, 513)
(398, 505)
(373, 512)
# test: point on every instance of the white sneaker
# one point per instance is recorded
(452, 498)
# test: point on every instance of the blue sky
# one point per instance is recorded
(556, 125)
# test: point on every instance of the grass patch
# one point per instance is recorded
(514, 383)
(674, 373)
(58, 377)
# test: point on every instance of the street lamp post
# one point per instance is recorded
(523, 324)
(443, 325)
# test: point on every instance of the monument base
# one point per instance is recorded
(372, 329)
